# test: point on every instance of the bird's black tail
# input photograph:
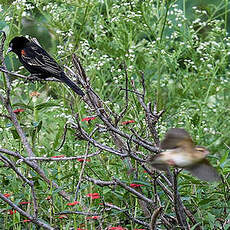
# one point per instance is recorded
(71, 84)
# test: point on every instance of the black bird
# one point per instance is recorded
(38, 62)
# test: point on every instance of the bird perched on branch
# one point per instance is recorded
(38, 62)
(181, 152)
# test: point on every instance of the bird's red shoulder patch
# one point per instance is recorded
(23, 52)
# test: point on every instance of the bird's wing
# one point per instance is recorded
(36, 56)
(157, 162)
(175, 138)
(204, 171)
(35, 40)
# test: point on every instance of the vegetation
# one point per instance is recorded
(78, 163)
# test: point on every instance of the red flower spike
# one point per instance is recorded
(93, 195)
(81, 160)
(7, 195)
(24, 202)
(73, 203)
(58, 156)
(88, 118)
(18, 111)
(11, 211)
(48, 198)
(26, 221)
(127, 122)
(92, 217)
(63, 217)
(136, 185)
(117, 228)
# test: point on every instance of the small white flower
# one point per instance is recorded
(24, 14)
(8, 18)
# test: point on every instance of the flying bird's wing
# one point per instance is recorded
(204, 171)
(157, 162)
(175, 138)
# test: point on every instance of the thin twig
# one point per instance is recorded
(64, 137)
(123, 112)
(178, 205)
(139, 195)
(157, 212)
(27, 77)
(100, 182)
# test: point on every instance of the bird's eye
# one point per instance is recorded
(200, 149)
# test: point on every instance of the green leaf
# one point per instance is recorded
(36, 130)
(227, 227)
(58, 190)
(15, 134)
(194, 227)
(58, 140)
(22, 105)
(211, 219)
(224, 157)
(45, 105)
(39, 126)
(205, 201)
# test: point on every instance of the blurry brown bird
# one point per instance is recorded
(181, 152)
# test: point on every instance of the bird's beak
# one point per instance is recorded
(9, 50)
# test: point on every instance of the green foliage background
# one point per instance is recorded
(182, 47)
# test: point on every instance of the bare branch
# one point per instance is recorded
(157, 212)
(30, 78)
(100, 182)
(178, 206)
(123, 112)
(139, 195)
